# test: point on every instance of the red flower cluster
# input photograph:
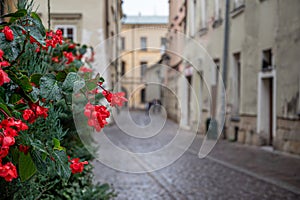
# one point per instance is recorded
(9, 34)
(76, 166)
(115, 99)
(3, 75)
(9, 129)
(85, 69)
(55, 59)
(3, 63)
(53, 39)
(24, 149)
(8, 171)
(96, 115)
(69, 57)
(34, 112)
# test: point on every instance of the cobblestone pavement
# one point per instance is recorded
(231, 171)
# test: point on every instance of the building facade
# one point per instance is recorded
(143, 40)
(262, 73)
(91, 23)
(174, 59)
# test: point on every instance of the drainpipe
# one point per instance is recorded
(225, 55)
(49, 16)
(117, 46)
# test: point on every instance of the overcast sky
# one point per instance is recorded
(146, 7)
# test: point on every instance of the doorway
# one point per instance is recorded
(267, 106)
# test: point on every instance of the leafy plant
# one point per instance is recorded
(39, 72)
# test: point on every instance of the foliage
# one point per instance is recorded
(39, 71)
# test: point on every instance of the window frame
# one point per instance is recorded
(123, 43)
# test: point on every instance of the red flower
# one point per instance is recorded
(85, 69)
(58, 32)
(37, 50)
(1, 53)
(9, 122)
(107, 95)
(8, 141)
(3, 152)
(76, 166)
(69, 57)
(8, 171)
(118, 99)
(10, 132)
(33, 40)
(55, 59)
(53, 39)
(94, 91)
(9, 35)
(4, 64)
(24, 149)
(29, 115)
(39, 111)
(96, 116)
(3, 77)
(72, 46)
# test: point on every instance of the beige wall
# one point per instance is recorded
(89, 25)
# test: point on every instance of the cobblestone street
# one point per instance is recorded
(230, 171)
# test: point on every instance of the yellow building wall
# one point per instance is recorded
(132, 55)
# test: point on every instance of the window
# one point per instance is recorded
(143, 68)
(122, 43)
(143, 43)
(203, 13)
(163, 44)
(217, 63)
(68, 31)
(143, 96)
(163, 41)
(123, 68)
(267, 60)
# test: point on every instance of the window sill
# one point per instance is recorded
(235, 118)
(237, 11)
(217, 23)
(203, 31)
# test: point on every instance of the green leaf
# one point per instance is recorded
(62, 165)
(93, 83)
(56, 144)
(38, 22)
(20, 80)
(35, 78)
(34, 95)
(61, 76)
(39, 161)
(49, 88)
(4, 108)
(26, 167)
(68, 84)
(15, 98)
(18, 14)
(38, 146)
